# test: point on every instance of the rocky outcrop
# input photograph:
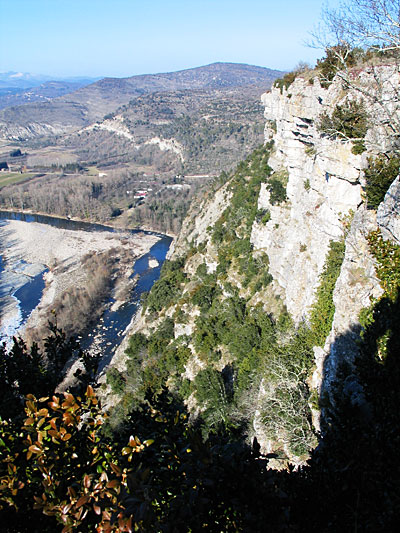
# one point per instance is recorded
(171, 145)
(388, 215)
(114, 125)
(15, 132)
(323, 190)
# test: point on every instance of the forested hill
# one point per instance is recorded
(91, 103)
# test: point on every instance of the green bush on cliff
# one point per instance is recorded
(323, 309)
(349, 121)
(380, 324)
(289, 77)
(379, 175)
(116, 380)
(277, 191)
(263, 216)
(167, 288)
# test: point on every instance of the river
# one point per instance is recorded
(109, 332)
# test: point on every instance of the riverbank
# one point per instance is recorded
(63, 252)
(113, 224)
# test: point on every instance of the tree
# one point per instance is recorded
(58, 464)
(359, 38)
(365, 24)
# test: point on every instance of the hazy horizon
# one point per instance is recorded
(49, 77)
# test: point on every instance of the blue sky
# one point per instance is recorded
(128, 37)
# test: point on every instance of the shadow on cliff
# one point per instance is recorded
(352, 482)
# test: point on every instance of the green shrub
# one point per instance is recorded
(204, 295)
(201, 271)
(286, 80)
(137, 342)
(381, 319)
(323, 309)
(263, 216)
(218, 232)
(167, 288)
(277, 191)
(379, 176)
(310, 151)
(387, 255)
(358, 148)
(347, 122)
(289, 77)
(116, 381)
(213, 397)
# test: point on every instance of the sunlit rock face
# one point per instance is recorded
(325, 202)
(388, 215)
(323, 190)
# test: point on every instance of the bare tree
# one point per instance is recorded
(285, 410)
(373, 24)
(362, 43)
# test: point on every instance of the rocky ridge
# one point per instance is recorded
(325, 202)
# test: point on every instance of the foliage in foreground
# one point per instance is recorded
(60, 470)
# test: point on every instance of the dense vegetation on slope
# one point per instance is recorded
(158, 473)
(236, 347)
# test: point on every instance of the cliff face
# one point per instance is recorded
(324, 191)
(325, 202)
(288, 230)
(323, 187)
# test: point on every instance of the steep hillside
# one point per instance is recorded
(191, 132)
(275, 274)
(91, 103)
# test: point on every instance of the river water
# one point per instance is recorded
(109, 332)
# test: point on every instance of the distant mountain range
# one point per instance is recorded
(25, 80)
(13, 96)
(91, 103)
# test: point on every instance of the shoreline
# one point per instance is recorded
(106, 224)
(62, 252)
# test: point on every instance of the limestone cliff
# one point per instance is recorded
(325, 202)
(239, 331)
